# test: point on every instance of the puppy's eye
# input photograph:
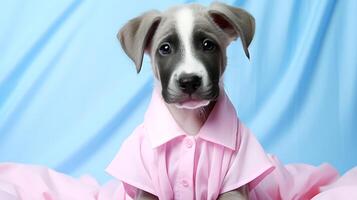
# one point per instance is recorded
(165, 49)
(208, 45)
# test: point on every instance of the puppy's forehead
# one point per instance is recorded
(186, 19)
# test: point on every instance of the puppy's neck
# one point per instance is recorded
(190, 120)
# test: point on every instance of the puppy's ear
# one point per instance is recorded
(235, 22)
(135, 35)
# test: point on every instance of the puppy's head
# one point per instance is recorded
(187, 45)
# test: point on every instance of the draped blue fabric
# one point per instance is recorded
(69, 95)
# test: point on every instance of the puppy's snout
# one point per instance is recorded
(189, 83)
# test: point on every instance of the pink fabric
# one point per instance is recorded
(297, 181)
(161, 159)
(344, 188)
(29, 182)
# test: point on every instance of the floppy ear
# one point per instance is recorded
(135, 35)
(235, 22)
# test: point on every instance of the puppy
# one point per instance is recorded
(187, 46)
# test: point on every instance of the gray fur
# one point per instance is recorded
(242, 22)
(135, 35)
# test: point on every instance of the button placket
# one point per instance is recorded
(185, 183)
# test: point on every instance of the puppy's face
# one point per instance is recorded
(188, 56)
(187, 46)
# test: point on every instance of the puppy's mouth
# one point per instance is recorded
(192, 101)
(192, 104)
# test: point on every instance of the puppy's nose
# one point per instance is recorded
(189, 83)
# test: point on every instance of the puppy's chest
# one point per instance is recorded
(187, 164)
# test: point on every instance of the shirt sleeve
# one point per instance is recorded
(130, 165)
(249, 164)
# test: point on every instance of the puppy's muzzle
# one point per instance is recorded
(189, 83)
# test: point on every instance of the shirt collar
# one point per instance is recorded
(220, 127)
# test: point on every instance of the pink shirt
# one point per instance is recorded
(158, 157)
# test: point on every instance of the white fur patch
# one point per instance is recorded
(189, 64)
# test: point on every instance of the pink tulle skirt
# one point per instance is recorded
(297, 181)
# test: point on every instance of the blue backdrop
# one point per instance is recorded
(69, 95)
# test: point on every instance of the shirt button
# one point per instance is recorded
(188, 143)
(184, 183)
